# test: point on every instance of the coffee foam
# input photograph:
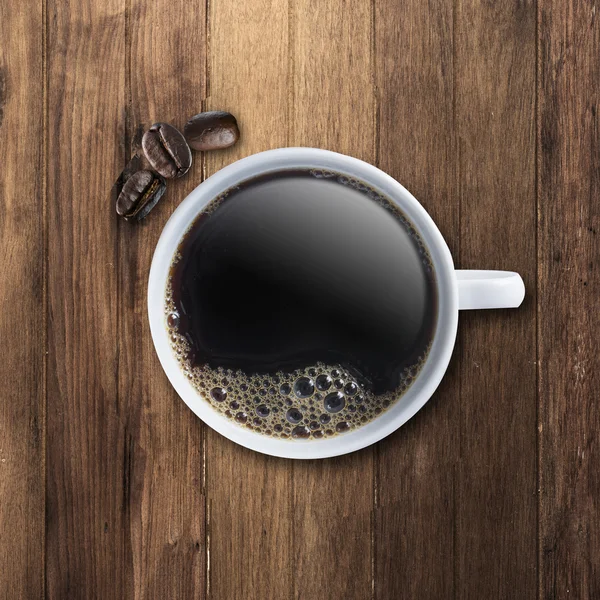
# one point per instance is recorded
(315, 402)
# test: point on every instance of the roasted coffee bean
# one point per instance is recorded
(211, 130)
(137, 163)
(139, 195)
(166, 150)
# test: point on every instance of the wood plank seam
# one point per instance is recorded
(538, 416)
(45, 95)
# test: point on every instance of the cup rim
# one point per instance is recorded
(438, 358)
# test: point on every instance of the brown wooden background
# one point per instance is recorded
(111, 488)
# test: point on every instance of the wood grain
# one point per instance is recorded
(569, 287)
(332, 107)
(111, 488)
(496, 519)
(88, 553)
(250, 525)
(22, 302)
(416, 466)
(163, 488)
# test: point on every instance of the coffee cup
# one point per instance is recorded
(456, 290)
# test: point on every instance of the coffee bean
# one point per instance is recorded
(166, 150)
(139, 195)
(137, 163)
(211, 130)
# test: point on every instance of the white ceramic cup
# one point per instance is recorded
(457, 290)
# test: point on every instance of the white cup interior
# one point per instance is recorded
(439, 356)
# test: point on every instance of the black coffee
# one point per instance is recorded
(302, 303)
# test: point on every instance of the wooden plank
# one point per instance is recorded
(332, 106)
(495, 109)
(22, 301)
(414, 543)
(164, 486)
(249, 494)
(87, 543)
(569, 287)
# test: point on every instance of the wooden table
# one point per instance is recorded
(111, 488)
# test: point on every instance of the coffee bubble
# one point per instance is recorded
(300, 432)
(351, 388)
(263, 410)
(304, 387)
(218, 394)
(323, 382)
(334, 402)
(293, 415)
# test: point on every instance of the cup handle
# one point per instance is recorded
(489, 289)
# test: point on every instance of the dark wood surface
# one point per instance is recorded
(111, 488)
(23, 306)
